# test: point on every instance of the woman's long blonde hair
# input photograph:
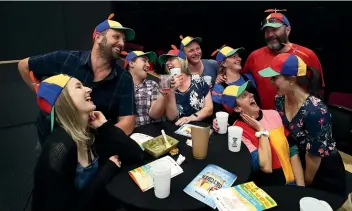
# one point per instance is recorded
(69, 118)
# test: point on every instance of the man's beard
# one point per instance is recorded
(279, 45)
(106, 51)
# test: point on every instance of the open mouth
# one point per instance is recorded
(169, 67)
(88, 99)
(117, 48)
(253, 103)
(273, 40)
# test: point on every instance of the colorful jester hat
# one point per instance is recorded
(275, 19)
(110, 24)
(48, 92)
(285, 64)
(174, 52)
(134, 54)
(187, 40)
(226, 51)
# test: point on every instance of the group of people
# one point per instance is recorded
(90, 105)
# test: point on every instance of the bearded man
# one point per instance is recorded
(276, 29)
(112, 86)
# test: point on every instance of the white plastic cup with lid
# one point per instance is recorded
(234, 138)
(222, 119)
(161, 174)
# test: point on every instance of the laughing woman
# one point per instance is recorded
(274, 160)
(73, 168)
(308, 120)
(189, 99)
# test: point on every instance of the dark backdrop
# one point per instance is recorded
(323, 27)
(30, 28)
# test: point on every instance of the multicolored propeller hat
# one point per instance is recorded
(110, 24)
(224, 52)
(275, 19)
(174, 52)
(285, 64)
(187, 40)
(134, 54)
(230, 94)
(48, 92)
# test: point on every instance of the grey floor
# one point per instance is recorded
(18, 111)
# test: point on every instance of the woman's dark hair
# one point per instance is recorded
(311, 82)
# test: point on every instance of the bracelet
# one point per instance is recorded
(262, 133)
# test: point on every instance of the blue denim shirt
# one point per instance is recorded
(85, 174)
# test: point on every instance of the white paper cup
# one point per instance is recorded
(312, 204)
(175, 71)
(222, 119)
(207, 79)
(235, 138)
(161, 173)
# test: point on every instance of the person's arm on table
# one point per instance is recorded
(157, 107)
(205, 112)
(114, 141)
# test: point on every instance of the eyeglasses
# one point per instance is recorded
(271, 20)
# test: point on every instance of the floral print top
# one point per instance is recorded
(311, 127)
(192, 100)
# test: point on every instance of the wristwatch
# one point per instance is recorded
(262, 133)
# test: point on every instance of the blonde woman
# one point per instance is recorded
(73, 168)
(189, 99)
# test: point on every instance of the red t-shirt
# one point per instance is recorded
(261, 58)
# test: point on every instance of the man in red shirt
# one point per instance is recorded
(276, 29)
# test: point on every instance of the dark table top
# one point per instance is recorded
(288, 197)
(123, 188)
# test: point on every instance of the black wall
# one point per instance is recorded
(30, 28)
(323, 27)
